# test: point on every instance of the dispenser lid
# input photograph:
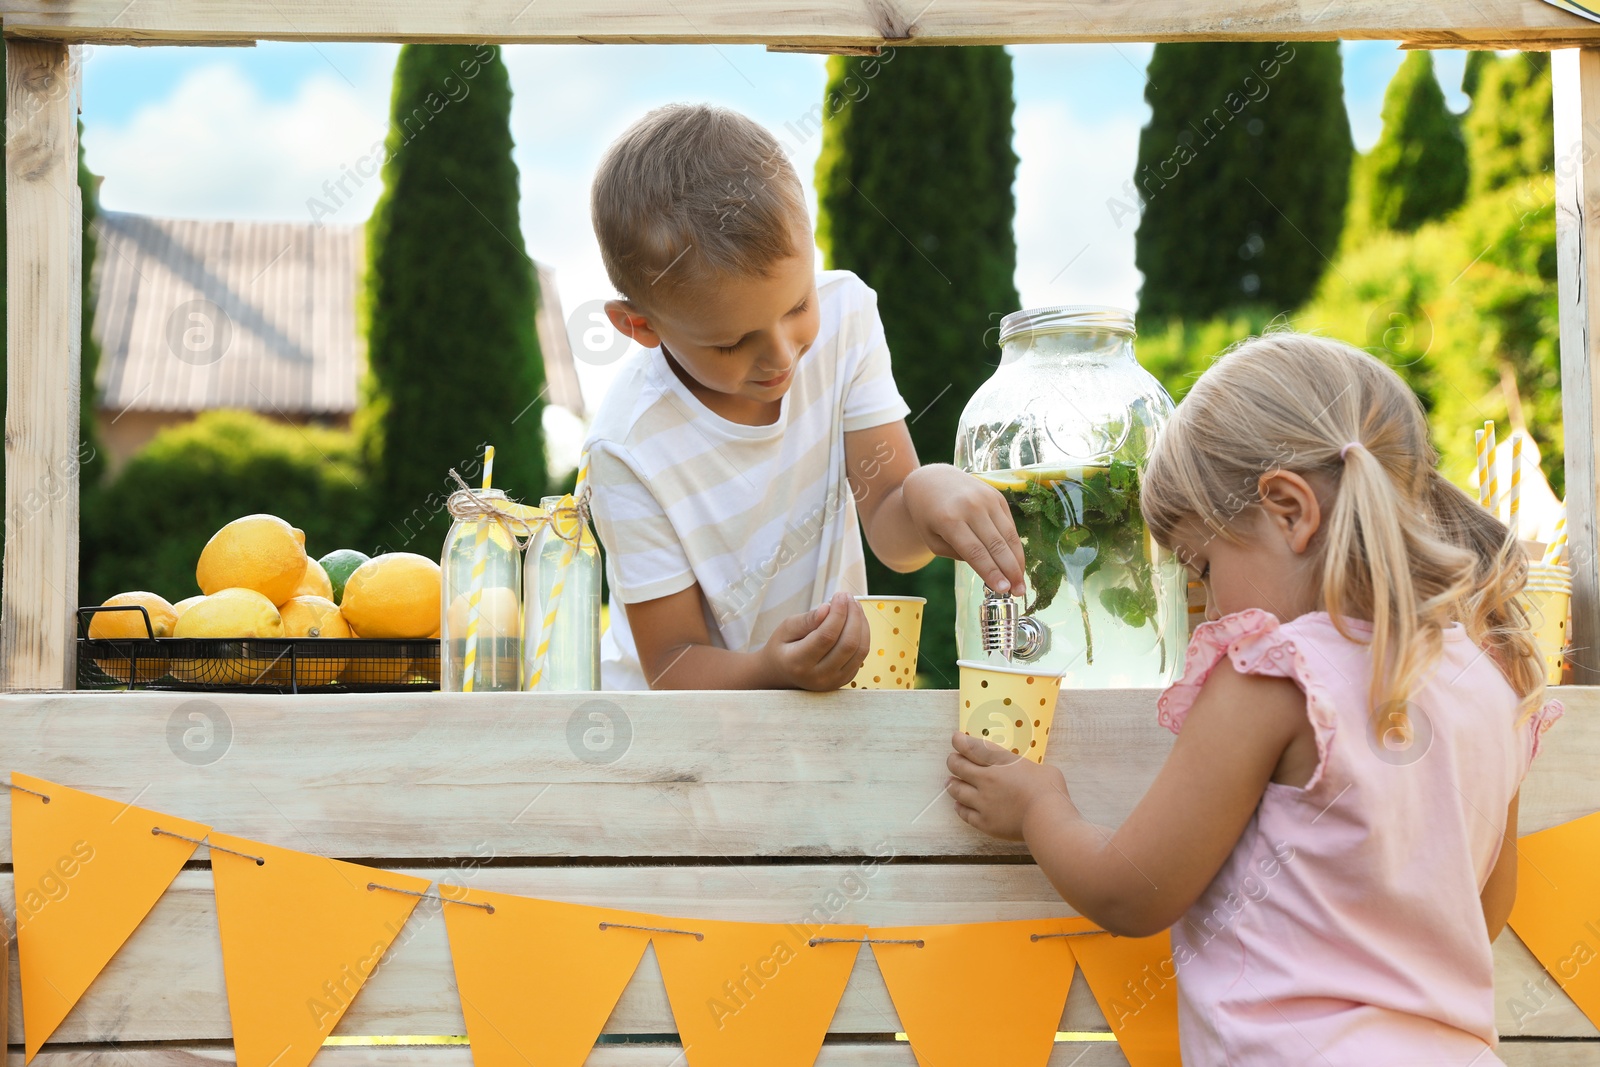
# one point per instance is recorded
(1067, 317)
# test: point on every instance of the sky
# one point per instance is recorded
(259, 133)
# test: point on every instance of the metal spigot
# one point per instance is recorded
(1006, 630)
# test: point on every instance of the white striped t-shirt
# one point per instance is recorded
(760, 516)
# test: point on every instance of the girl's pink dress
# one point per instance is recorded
(1345, 930)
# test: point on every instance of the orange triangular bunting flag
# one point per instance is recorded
(936, 987)
(744, 993)
(88, 870)
(537, 978)
(300, 935)
(1558, 883)
(1135, 982)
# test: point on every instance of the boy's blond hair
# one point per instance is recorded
(691, 192)
(1400, 544)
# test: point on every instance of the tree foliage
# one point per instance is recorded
(450, 299)
(914, 189)
(1418, 169)
(1243, 172)
(1511, 123)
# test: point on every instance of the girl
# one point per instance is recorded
(1332, 838)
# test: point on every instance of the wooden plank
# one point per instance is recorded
(436, 775)
(43, 254)
(845, 1054)
(1577, 122)
(166, 983)
(823, 24)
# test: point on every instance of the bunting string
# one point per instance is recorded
(260, 861)
(431, 896)
(652, 929)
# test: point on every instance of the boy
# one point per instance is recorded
(731, 458)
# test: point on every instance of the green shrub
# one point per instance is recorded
(146, 528)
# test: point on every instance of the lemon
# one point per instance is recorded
(108, 624)
(315, 582)
(113, 624)
(311, 616)
(393, 595)
(185, 604)
(499, 614)
(257, 552)
(229, 613)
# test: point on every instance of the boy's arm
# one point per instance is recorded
(911, 513)
(821, 649)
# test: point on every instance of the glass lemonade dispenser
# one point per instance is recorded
(1063, 429)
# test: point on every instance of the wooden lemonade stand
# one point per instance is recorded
(717, 805)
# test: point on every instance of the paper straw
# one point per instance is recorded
(1483, 469)
(1558, 543)
(1516, 482)
(568, 549)
(1494, 473)
(480, 564)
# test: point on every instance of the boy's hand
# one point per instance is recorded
(823, 648)
(960, 517)
(994, 789)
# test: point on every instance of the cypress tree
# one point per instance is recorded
(453, 358)
(914, 193)
(1244, 173)
(1418, 169)
(1511, 124)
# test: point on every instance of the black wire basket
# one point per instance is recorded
(254, 665)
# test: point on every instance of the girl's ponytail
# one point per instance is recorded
(1367, 563)
(1493, 609)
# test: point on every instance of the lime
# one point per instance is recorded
(340, 564)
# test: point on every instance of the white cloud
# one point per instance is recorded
(1070, 246)
(216, 148)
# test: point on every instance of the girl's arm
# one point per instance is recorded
(1500, 891)
(1140, 879)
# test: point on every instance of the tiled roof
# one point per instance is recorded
(194, 314)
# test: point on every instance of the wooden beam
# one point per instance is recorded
(44, 220)
(821, 24)
(1577, 122)
(693, 776)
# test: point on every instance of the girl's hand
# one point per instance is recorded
(995, 789)
(958, 516)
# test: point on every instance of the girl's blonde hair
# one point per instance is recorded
(1399, 543)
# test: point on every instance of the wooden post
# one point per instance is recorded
(44, 220)
(1577, 121)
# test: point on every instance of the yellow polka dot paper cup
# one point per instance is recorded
(896, 623)
(1011, 706)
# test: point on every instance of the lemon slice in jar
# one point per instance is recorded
(1006, 481)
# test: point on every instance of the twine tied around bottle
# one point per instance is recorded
(520, 521)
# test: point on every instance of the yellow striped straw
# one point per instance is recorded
(568, 550)
(480, 564)
(1483, 469)
(1494, 475)
(1516, 482)
(1558, 541)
